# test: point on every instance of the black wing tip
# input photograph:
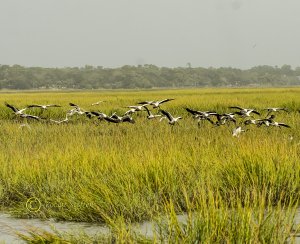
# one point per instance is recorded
(95, 113)
(167, 114)
(147, 109)
(167, 100)
(193, 112)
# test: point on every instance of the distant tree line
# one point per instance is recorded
(144, 76)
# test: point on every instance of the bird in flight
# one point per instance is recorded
(156, 104)
(137, 108)
(76, 110)
(97, 103)
(43, 106)
(20, 112)
(277, 124)
(270, 110)
(172, 120)
(237, 131)
(245, 112)
(15, 109)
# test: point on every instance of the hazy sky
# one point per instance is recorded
(113, 33)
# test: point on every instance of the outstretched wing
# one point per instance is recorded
(73, 105)
(96, 113)
(11, 107)
(193, 112)
(166, 100)
(239, 113)
(127, 118)
(145, 102)
(167, 114)
(30, 116)
(284, 125)
(255, 112)
(34, 106)
(112, 120)
(53, 105)
(147, 110)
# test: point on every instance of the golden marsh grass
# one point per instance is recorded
(100, 172)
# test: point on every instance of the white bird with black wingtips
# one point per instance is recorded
(131, 111)
(270, 110)
(19, 112)
(172, 120)
(16, 110)
(245, 112)
(43, 106)
(137, 107)
(156, 104)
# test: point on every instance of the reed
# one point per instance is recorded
(91, 171)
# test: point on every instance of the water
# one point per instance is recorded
(9, 225)
(297, 222)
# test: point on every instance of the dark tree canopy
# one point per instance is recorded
(144, 76)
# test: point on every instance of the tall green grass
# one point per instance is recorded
(95, 172)
(210, 221)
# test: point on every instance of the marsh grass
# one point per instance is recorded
(215, 223)
(210, 221)
(95, 172)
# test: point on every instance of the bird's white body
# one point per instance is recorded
(237, 131)
(97, 103)
(137, 107)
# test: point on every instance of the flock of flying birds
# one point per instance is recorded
(239, 117)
